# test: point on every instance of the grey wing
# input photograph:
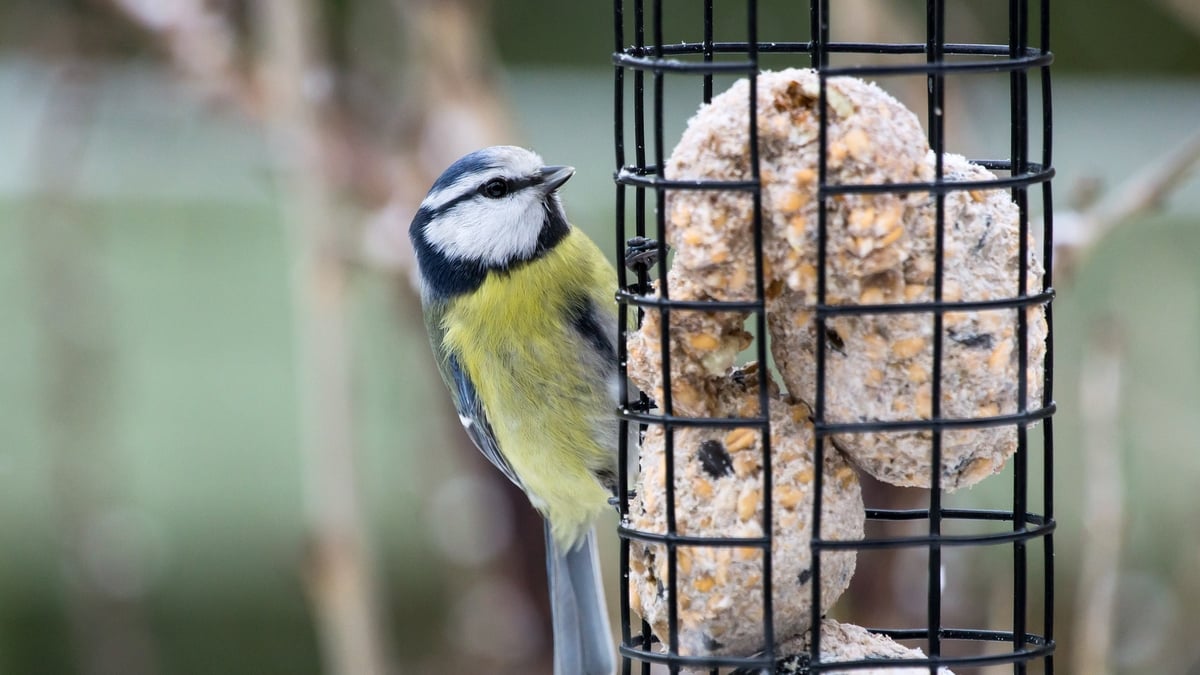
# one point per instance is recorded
(474, 420)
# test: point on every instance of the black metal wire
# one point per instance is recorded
(1017, 526)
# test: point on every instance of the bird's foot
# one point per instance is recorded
(642, 253)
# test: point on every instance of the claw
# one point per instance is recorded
(642, 253)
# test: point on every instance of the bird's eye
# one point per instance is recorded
(495, 188)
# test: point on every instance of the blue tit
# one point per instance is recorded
(521, 315)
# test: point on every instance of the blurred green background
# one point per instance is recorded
(187, 204)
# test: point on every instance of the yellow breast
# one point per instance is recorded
(547, 394)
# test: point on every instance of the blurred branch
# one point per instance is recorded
(450, 105)
(339, 571)
(1187, 11)
(201, 44)
(1103, 501)
(76, 352)
(1077, 234)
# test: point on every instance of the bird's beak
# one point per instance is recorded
(555, 176)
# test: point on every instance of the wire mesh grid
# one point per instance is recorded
(640, 55)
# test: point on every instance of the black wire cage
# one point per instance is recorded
(644, 63)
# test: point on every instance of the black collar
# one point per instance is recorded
(446, 277)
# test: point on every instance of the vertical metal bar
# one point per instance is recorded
(664, 345)
(639, 116)
(760, 323)
(708, 49)
(819, 16)
(818, 33)
(935, 42)
(622, 325)
(639, 211)
(1018, 84)
(1048, 373)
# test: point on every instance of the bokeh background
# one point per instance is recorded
(223, 448)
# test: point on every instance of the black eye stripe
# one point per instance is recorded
(522, 183)
(513, 184)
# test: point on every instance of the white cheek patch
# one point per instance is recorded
(492, 231)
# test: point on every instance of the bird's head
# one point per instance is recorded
(492, 209)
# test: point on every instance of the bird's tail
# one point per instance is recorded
(582, 637)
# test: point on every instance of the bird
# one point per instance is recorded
(522, 320)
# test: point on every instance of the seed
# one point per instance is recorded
(908, 347)
(871, 296)
(999, 357)
(857, 143)
(804, 176)
(889, 219)
(680, 216)
(891, 237)
(914, 291)
(745, 464)
(792, 201)
(917, 373)
(861, 219)
(795, 232)
(789, 496)
(747, 504)
(924, 402)
(738, 279)
(837, 153)
(875, 346)
(740, 439)
(746, 553)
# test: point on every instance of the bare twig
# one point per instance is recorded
(76, 352)
(1103, 507)
(452, 106)
(201, 44)
(340, 572)
(1186, 11)
(1076, 235)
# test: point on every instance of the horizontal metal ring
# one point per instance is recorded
(921, 541)
(935, 424)
(682, 421)
(626, 532)
(1041, 647)
(644, 59)
(648, 177)
(826, 311)
(805, 47)
(952, 514)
